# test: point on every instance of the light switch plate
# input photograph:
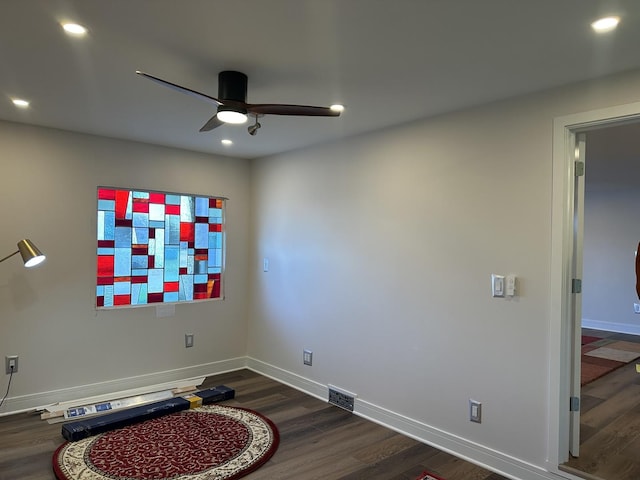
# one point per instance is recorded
(497, 285)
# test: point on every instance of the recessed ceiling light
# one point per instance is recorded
(226, 142)
(74, 29)
(606, 24)
(337, 107)
(19, 102)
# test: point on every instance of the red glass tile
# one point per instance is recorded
(200, 256)
(122, 199)
(106, 194)
(202, 219)
(151, 261)
(100, 301)
(171, 286)
(215, 227)
(106, 243)
(105, 265)
(152, 233)
(123, 222)
(199, 295)
(140, 279)
(155, 297)
(200, 288)
(104, 281)
(172, 210)
(201, 251)
(140, 207)
(187, 232)
(122, 299)
(139, 249)
(156, 198)
(216, 290)
(183, 271)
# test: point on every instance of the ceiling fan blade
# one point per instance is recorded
(300, 110)
(214, 122)
(179, 88)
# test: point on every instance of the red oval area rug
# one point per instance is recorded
(206, 443)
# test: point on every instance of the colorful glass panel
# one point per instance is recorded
(155, 247)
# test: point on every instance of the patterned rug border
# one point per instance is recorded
(275, 442)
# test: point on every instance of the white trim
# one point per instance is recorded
(564, 130)
(611, 326)
(493, 460)
(124, 386)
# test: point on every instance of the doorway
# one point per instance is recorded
(568, 206)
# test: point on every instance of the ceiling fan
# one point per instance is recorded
(232, 106)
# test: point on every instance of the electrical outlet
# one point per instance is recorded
(188, 340)
(636, 307)
(11, 364)
(475, 411)
(307, 357)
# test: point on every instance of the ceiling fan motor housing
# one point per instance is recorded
(232, 86)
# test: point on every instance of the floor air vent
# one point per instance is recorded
(341, 398)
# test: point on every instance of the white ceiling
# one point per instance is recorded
(388, 62)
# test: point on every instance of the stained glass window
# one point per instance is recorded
(158, 247)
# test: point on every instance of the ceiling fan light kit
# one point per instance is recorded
(233, 107)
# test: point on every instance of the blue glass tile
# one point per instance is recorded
(156, 280)
(139, 272)
(200, 267)
(184, 254)
(171, 263)
(187, 209)
(122, 262)
(190, 262)
(122, 288)
(109, 225)
(200, 278)
(172, 230)
(100, 221)
(202, 235)
(141, 195)
(135, 293)
(99, 290)
(140, 219)
(215, 214)
(202, 206)
(151, 249)
(215, 258)
(156, 212)
(186, 288)
(215, 240)
(215, 270)
(142, 294)
(140, 236)
(170, 296)
(107, 205)
(108, 295)
(106, 251)
(123, 237)
(156, 224)
(172, 199)
(129, 213)
(159, 255)
(139, 261)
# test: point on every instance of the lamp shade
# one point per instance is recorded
(31, 256)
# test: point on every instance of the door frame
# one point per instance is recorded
(561, 333)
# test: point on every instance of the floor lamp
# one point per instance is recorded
(31, 256)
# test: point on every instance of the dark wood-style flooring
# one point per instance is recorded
(317, 441)
(610, 421)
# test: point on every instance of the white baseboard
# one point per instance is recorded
(611, 326)
(493, 460)
(123, 387)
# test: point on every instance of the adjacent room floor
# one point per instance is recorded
(610, 420)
